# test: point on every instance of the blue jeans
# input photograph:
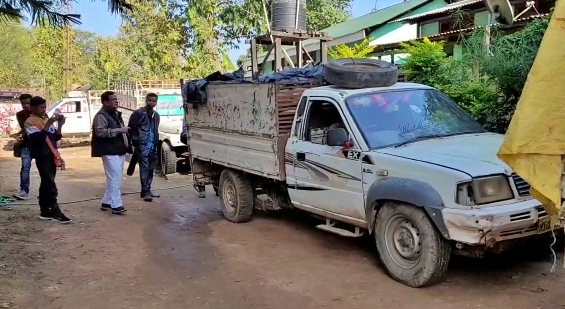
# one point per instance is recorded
(146, 163)
(25, 170)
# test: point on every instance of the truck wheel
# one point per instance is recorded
(360, 73)
(168, 159)
(236, 194)
(409, 246)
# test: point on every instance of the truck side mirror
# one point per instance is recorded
(337, 137)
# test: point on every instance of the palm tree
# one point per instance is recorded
(40, 11)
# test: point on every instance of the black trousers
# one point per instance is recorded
(146, 161)
(48, 188)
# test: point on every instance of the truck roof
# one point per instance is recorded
(348, 92)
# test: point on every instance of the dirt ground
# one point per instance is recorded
(178, 252)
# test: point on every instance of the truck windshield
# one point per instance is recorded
(399, 117)
(170, 105)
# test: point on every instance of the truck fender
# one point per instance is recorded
(410, 191)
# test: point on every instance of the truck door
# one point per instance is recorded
(326, 177)
(76, 114)
(290, 151)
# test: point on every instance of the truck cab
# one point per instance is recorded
(406, 143)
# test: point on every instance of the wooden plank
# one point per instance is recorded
(254, 68)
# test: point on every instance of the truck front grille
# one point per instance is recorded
(522, 186)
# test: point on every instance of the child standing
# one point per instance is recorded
(42, 137)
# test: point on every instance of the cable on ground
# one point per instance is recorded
(6, 200)
(553, 252)
(88, 199)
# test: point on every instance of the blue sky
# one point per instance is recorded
(96, 18)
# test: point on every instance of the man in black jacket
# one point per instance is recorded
(110, 142)
(144, 124)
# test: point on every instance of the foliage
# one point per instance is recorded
(242, 19)
(153, 39)
(321, 14)
(110, 61)
(48, 12)
(49, 58)
(360, 50)
(15, 62)
(159, 39)
(488, 81)
(425, 59)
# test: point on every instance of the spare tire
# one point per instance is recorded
(358, 73)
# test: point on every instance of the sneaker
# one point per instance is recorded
(22, 195)
(61, 218)
(118, 210)
(202, 194)
(46, 216)
(105, 206)
(153, 195)
(148, 198)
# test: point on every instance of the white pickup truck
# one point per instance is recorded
(403, 163)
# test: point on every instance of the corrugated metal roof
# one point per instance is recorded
(535, 16)
(372, 19)
(447, 8)
(366, 21)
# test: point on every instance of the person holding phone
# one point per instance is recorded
(111, 143)
(42, 137)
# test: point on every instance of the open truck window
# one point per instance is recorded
(71, 107)
(322, 116)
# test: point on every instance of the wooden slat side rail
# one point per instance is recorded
(288, 96)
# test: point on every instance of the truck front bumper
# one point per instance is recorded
(489, 225)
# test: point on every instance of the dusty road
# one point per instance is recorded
(178, 252)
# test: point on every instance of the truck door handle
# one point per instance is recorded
(300, 156)
(79, 116)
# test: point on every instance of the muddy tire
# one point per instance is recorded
(360, 73)
(168, 159)
(236, 195)
(409, 246)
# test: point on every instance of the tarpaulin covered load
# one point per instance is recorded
(194, 91)
(534, 145)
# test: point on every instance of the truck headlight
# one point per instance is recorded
(484, 190)
(491, 189)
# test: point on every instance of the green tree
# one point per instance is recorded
(49, 12)
(425, 59)
(154, 39)
(15, 58)
(49, 57)
(110, 61)
(359, 50)
(322, 14)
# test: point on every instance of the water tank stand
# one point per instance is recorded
(279, 39)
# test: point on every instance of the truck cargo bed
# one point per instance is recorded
(245, 126)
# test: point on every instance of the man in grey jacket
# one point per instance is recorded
(110, 142)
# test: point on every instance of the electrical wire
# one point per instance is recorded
(553, 252)
(97, 198)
